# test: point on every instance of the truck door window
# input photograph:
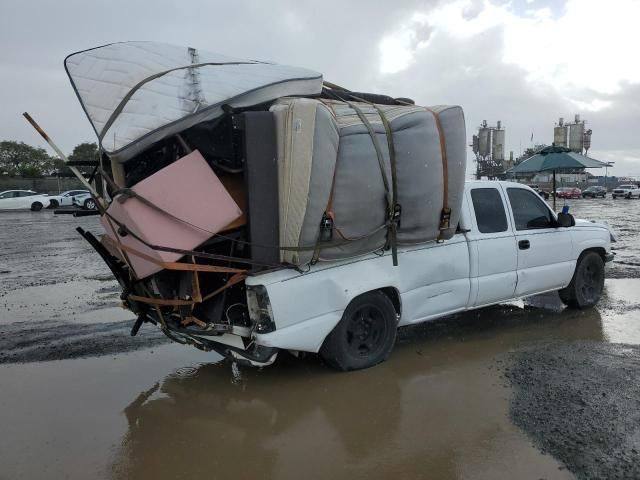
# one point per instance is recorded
(490, 214)
(529, 211)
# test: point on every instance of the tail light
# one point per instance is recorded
(260, 309)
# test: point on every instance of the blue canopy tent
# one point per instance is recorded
(556, 159)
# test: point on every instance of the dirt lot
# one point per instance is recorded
(526, 390)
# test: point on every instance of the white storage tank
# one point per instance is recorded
(498, 145)
(576, 137)
(560, 134)
(484, 139)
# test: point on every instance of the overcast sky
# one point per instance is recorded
(525, 62)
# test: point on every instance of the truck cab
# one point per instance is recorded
(626, 191)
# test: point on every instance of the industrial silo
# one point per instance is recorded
(560, 134)
(498, 144)
(484, 139)
(576, 137)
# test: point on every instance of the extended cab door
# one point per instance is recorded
(493, 247)
(544, 250)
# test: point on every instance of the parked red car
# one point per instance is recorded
(568, 192)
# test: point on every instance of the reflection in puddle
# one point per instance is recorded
(438, 405)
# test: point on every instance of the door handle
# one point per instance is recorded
(523, 244)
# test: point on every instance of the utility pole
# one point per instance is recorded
(606, 171)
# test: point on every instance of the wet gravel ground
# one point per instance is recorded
(57, 298)
(623, 215)
(38, 341)
(580, 402)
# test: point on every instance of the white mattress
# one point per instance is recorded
(131, 102)
(295, 130)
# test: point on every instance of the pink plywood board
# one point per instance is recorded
(188, 189)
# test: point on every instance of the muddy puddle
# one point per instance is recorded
(80, 398)
(439, 408)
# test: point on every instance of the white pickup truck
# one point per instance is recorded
(626, 191)
(510, 244)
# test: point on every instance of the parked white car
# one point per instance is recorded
(65, 199)
(23, 200)
(626, 191)
(84, 200)
(509, 245)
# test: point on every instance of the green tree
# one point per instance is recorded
(84, 152)
(20, 159)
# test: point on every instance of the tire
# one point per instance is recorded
(36, 206)
(90, 204)
(587, 283)
(53, 204)
(364, 336)
(613, 196)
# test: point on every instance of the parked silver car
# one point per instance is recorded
(84, 200)
(65, 199)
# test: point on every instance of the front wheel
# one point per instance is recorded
(364, 336)
(90, 204)
(36, 206)
(53, 204)
(587, 283)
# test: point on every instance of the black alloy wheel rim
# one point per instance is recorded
(590, 282)
(366, 331)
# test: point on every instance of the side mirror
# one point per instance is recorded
(566, 220)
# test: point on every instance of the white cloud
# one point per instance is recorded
(625, 162)
(578, 54)
(592, 106)
(398, 48)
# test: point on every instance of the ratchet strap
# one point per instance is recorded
(445, 215)
(395, 209)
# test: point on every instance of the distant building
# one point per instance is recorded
(563, 178)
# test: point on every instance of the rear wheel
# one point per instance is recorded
(365, 335)
(587, 283)
(36, 206)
